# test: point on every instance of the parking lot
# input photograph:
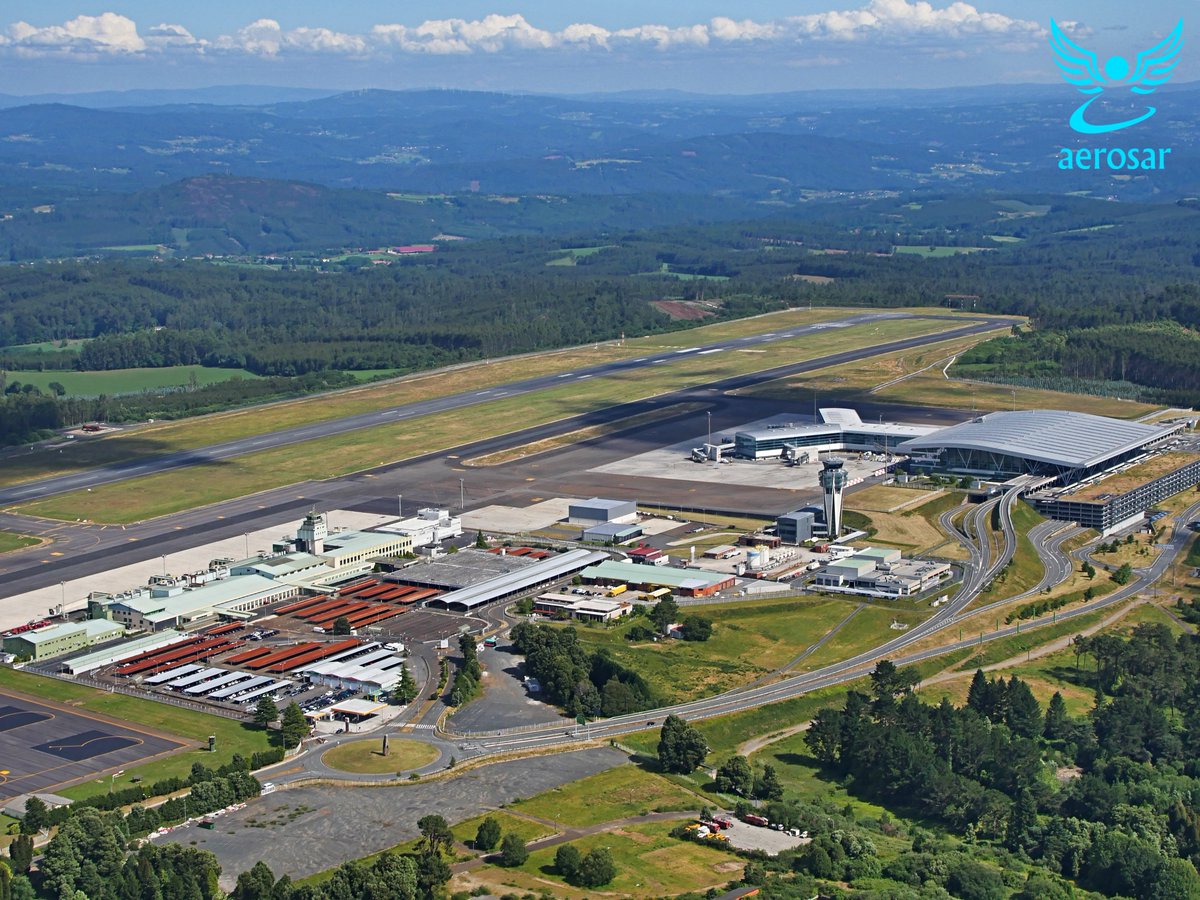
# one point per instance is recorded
(44, 746)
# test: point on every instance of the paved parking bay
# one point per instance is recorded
(505, 702)
(44, 746)
(305, 830)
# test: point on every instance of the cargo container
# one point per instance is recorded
(760, 821)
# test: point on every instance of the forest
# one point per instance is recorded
(1111, 291)
(1110, 801)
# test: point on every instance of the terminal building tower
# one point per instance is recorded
(312, 534)
(833, 479)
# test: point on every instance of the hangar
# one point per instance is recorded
(1068, 446)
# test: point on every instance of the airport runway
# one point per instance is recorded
(433, 479)
(36, 490)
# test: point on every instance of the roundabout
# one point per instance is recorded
(366, 757)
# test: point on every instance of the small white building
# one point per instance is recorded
(430, 526)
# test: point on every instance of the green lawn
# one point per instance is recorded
(870, 628)
(191, 726)
(10, 540)
(614, 794)
(1009, 647)
(49, 346)
(749, 639)
(649, 862)
(367, 756)
(127, 381)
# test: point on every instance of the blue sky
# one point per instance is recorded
(706, 45)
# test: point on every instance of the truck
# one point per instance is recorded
(752, 819)
(722, 822)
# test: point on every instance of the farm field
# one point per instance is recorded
(156, 495)
(126, 381)
(749, 640)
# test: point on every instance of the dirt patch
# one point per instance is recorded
(727, 867)
(686, 310)
(811, 279)
(636, 836)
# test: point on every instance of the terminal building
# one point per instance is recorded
(1067, 446)
(839, 429)
(1103, 473)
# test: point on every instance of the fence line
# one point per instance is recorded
(168, 699)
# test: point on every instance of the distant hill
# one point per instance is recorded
(222, 95)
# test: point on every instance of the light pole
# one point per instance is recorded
(400, 504)
(462, 495)
(246, 539)
(164, 563)
(62, 609)
(709, 414)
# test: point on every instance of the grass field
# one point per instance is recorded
(584, 434)
(205, 430)
(870, 628)
(749, 639)
(649, 862)
(10, 541)
(194, 727)
(127, 381)
(887, 498)
(526, 829)
(915, 528)
(366, 757)
(935, 251)
(933, 389)
(156, 495)
(615, 794)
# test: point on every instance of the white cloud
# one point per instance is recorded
(107, 33)
(885, 21)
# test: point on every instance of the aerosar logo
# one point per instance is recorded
(1151, 70)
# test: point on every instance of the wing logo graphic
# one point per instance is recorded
(1081, 68)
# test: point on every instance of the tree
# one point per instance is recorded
(480, 541)
(566, 861)
(768, 787)
(488, 834)
(257, 884)
(1023, 714)
(1124, 574)
(435, 833)
(293, 725)
(20, 851)
(597, 868)
(1021, 833)
(341, 625)
(664, 614)
(1057, 724)
(681, 748)
(265, 712)
(406, 689)
(697, 628)
(735, 777)
(513, 851)
(36, 818)
(1089, 570)
(58, 388)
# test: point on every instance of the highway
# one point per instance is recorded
(91, 478)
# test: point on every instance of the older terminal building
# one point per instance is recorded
(839, 429)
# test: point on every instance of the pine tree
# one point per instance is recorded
(265, 712)
(488, 834)
(20, 851)
(1022, 822)
(293, 726)
(406, 689)
(979, 694)
(1022, 715)
(1057, 724)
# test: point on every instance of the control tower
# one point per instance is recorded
(311, 535)
(833, 479)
